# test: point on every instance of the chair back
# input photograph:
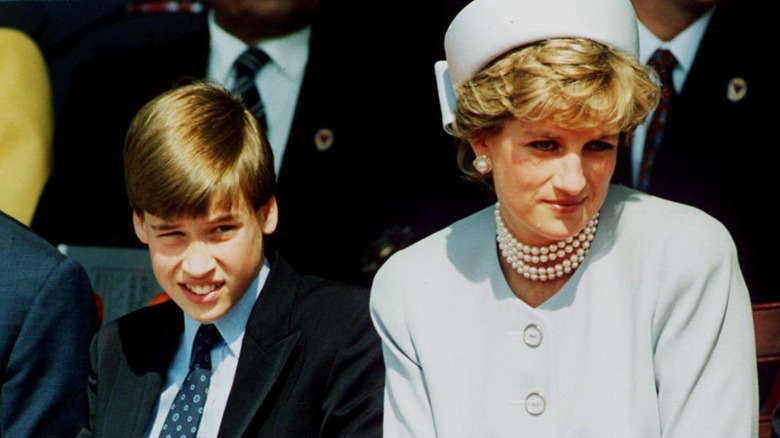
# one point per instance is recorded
(122, 276)
(766, 319)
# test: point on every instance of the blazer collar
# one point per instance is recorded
(269, 344)
(149, 351)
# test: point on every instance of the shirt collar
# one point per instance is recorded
(289, 53)
(232, 325)
(683, 46)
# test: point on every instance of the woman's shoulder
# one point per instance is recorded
(632, 205)
(444, 248)
(631, 212)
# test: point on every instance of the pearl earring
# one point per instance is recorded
(483, 164)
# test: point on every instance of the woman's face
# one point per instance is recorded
(549, 180)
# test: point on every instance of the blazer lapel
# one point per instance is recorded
(149, 351)
(267, 348)
(136, 397)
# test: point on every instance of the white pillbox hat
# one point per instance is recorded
(486, 29)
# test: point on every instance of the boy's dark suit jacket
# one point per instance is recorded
(310, 365)
(341, 211)
(717, 154)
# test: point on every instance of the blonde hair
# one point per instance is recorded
(575, 83)
(193, 146)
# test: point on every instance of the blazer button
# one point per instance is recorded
(532, 335)
(535, 404)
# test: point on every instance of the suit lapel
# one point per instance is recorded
(268, 347)
(149, 351)
(681, 147)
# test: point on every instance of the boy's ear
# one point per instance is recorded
(269, 216)
(140, 227)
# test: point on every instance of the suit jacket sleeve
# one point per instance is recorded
(353, 400)
(407, 407)
(704, 345)
(43, 392)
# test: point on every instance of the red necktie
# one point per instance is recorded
(662, 62)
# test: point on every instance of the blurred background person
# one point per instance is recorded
(26, 124)
(49, 312)
(572, 307)
(718, 91)
(47, 320)
(347, 181)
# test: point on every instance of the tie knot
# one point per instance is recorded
(207, 337)
(663, 62)
(251, 61)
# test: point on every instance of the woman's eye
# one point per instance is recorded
(600, 146)
(545, 145)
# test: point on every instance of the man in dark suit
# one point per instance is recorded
(293, 355)
(47, 319)
(714, 151)
(358, 173)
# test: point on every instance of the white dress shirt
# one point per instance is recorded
(684, 47)
(279, 81)
(224, 360)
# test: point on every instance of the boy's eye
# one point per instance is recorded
(171, 234)
(225, 228)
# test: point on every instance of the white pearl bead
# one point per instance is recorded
(521, 256)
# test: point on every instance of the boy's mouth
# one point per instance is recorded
(202, 289)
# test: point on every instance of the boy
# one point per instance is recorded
(293, 356)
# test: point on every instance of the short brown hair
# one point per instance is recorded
(192, 146)
(577, 83)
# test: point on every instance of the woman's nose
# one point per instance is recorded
(198, 260)
(570, 177)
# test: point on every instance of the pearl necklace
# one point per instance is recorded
(525, 258)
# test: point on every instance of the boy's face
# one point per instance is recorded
(205, 264)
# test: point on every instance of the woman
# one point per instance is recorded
(570, 308)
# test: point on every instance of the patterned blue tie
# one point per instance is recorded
(184, 416)
(247, 65)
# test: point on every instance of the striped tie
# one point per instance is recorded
(662, 62)
(247, 65)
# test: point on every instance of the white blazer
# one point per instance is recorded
(651, 337)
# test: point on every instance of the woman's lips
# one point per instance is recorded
(566, 204)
